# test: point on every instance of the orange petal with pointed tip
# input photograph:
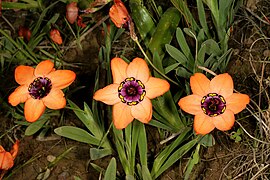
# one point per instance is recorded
(121, 115)
(20, 95)
(222, 84)
(191, 104)
(24, 75)
(55, 99)
(142, 111)
(224, 121)
(199, 84)
(203, 124)
(156, 87)
(61, 78)
(44, 68)
(33, 109)
(15, 149)
(108, 95)
(139, 70)
(119, 70)
(237, 102)
(6, 160)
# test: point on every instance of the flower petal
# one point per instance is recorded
(155, 87)
(44, 68)
(224, 121)
(222, 84)
(119, 70)
(6, 160)
(191, 104)
(15, 149)
(61, 78)
(119, 14)
(33, 109)
(24, 75)
(108, 95)
(121, 115)
(199, 84)
(20, 95)
(203, 124)
(55, 99)
(139, 70)
(142, 111)
(237, 102)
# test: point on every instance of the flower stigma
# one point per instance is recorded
(213, 104)
(40, 87)
(131, 91)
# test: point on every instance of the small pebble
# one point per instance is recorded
(51, 158)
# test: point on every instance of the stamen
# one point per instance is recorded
(131, 91)
(213, 104)
(40, 87)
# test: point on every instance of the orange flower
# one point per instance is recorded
(56, 36)
(119, 14)
(72, 12)
(7, 158)
(131, 92)
(213, 103)
(40, 88)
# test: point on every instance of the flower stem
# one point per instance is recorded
(154, 67)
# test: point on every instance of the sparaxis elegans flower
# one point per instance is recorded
(7, 158)
(131, 91)
(39, 88)
(213, 102)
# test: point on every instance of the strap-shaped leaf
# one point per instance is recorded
(77, 134)
(110, 173)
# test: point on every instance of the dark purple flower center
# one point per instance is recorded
(40, 87)
(131, 91)
(213, 104)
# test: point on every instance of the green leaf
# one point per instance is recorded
(162, 157)
(143, 20)
(184, 46)
(178, 154)
(192, 162)
(158, 124)
(96, 153)
(77, 134)
(15, 5)
(35, 126)
(202, 18)
(212, 47)
(190, 32)
(201, 55)
(182, 72)
(76, 178)
(177, 55)
(207, 140)
(171, 67)
(183, 9)
(145, 173)
(164, 31)
(87, 118)
(142, 144)
(110, 173)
